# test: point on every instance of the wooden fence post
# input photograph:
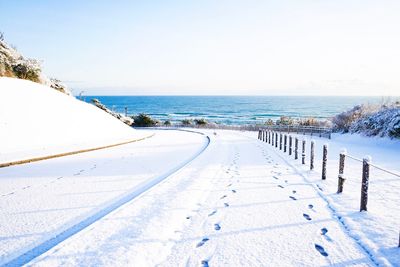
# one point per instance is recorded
(312, 154)
(269, 139)
(324, 160)
(341, 178)
(296, 148)
(259, 134)
(290, 145)
(280, 141)
(364, 184)
(285, 144)
(303, 152)
(263, 139)
(276, 140)
(273, 134)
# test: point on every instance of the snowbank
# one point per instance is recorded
(36, 120)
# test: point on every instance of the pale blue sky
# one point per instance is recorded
(317, 47)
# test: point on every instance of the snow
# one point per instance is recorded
(239, 203)
(43, 200)
(183, 197)
(36, 120)
(370, 120)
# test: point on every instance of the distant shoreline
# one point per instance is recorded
(231, 110)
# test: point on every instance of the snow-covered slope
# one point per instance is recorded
(36, 120)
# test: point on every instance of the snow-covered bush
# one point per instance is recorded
(385, 122)
(124, 119)
(14, 65)
(343, 121)
(27, 69)
(379, 120)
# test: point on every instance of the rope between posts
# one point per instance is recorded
(382, 169)
(375, 166)
(357, 159)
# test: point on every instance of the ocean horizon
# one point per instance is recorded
(234, 110)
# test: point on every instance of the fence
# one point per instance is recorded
(271, 137)
(299, 129)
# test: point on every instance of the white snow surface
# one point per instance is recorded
(181, 198)
(239, 203)
(36, 120)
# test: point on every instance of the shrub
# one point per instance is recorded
(27, 69)
(269, 122)
(144, 120)
(167, 123)
(186, 122)
(284, 120)
(343, 121)
(200, 122)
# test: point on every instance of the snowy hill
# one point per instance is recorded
(36, 120)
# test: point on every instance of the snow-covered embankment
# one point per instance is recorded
(37, 121)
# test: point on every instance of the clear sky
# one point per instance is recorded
(299, 47)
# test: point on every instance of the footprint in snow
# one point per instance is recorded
(224, 196)
(281, 186)
(321, 250)
(233, 191)
(324, 232)
(294, 191)
(293, 198)
(212, 213)
(320, 188)
(276, 178)
(226, 204)
(204, 263)
(202, 242)
(188, 218)
(307, 217)
(229, 185)
(217, 227)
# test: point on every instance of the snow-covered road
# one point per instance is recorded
(45, 202)
(237, 204)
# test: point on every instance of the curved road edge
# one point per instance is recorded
(71, 230)
(25, 161)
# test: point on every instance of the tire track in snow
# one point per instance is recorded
(71, 230)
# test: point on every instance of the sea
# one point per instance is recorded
(233, 110)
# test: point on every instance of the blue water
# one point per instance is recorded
(232, 109)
